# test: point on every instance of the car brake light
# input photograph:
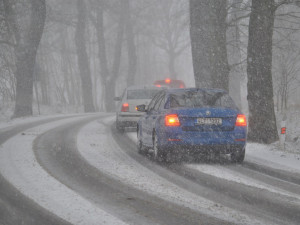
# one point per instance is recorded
(181, 86)
(158, 85)
(125, 107)
(172, 120)
(168, 80)
(241, 120)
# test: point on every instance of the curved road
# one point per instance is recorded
(58, 152)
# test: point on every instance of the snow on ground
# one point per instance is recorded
(267, 155)
(273, 156)
(8, 123)
(20, 167)
(97, 146)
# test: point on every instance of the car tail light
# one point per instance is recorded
(241, 120)
(125, 107)
(172, 120)
(181, 86)
(158, 85)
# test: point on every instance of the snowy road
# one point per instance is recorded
(80, 170)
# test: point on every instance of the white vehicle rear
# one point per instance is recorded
(126, 114)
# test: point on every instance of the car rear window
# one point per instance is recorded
(197, 99)
(142, 93)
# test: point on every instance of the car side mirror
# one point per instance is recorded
(141, 108)
(117, 98)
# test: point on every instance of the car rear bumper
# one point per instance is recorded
(204, 149)
(226, 142)
(128, 120)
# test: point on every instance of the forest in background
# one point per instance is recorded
(80, 54)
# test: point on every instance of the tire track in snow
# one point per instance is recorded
(19, 166)
(268, 205)
(150, 177)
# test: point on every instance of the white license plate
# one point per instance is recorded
(209, 121)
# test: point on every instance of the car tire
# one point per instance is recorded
(238, 156)
(120, 128)
(158, 154)
(140, 147)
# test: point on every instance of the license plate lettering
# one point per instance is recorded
(209, 121)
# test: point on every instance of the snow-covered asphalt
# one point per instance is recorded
(79, 170)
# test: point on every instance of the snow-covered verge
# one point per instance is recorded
(268, 155)
(292, 124)
(273, 156)
(6, 111)
(97, 146)
(20, 167)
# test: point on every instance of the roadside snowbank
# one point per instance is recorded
(20, 167)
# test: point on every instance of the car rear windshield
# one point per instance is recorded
(142, 93)
(198, 99)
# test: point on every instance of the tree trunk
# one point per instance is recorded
(105, 74)
(172, 71)
(262, 121)
(237, 77)
(208, 40)
(27, 42)
(131, 49)
(83, 63)
(219, 65)
(111, 82)
(200, 42)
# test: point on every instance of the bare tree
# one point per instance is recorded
(131, 48)
(110, 76)
(167, 26)
(262, 121)
(83, 63)
(208, 36)
(287, 78)
(26, 22)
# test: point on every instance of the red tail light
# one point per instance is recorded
(158, 85)
(125, 107)
(241, 120)
(172, 120)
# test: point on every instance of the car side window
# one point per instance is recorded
(152, 103)
(158, 102)
(162, 103)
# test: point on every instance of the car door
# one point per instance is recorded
(148, 120)
(145, 127)
(153, 117)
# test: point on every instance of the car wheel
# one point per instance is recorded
(120, 128)
(140, 147)
(238, 156)
(158, 154)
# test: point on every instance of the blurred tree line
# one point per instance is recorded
(82, 53)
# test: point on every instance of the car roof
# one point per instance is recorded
(182, 90)
(148, 87)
